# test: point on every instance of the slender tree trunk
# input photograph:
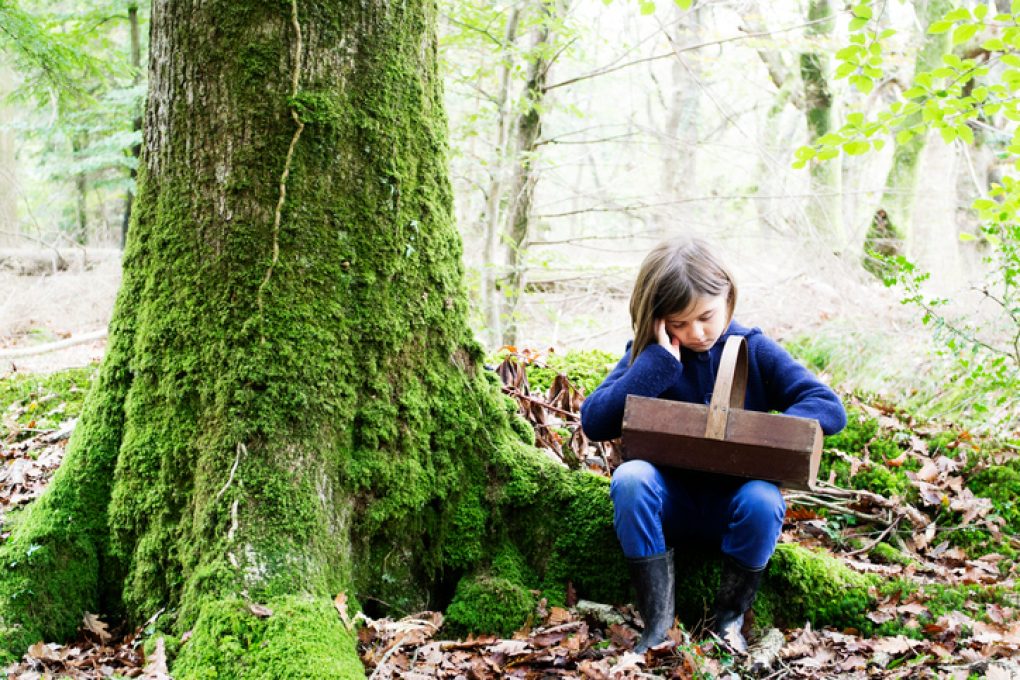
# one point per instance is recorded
(136, 124)
(680, 131)
(495, 203)
(894, 224)
(521, 190)
(9, 227)
(825, 209)
(81, 190)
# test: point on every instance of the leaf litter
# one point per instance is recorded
(592, 640)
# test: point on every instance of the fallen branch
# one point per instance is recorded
(52, 346)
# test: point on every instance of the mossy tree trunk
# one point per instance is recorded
(825, 208)
(892, 225)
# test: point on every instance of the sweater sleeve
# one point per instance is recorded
(793, 390)
(651, 374)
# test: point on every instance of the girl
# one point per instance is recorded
(681, 310)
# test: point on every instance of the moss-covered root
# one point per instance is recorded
(807, 585)
(48, 578)
(302, 637)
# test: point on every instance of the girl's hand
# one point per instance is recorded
(671, 344)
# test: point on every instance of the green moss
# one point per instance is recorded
(302, 638)
(883, 552)
(804, 585)
(318, 107)
(489, 604)
(859, 431)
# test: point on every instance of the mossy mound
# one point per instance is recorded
(489, 604)
(291, 637)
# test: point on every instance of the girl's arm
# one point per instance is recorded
(651, 374)
(794, 390)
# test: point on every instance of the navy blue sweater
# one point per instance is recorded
(775, 382)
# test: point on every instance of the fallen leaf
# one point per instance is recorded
(155, 665)
(97, 627)
(259, 610)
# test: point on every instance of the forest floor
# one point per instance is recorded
(897, 501)
(902, 505)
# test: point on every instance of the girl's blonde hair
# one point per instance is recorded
(672, 277)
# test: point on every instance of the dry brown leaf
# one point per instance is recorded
(896, 645)
(97, 627)
(43, 652)
(155, 665)
(340, 602)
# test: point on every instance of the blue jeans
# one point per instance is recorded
(652, 505)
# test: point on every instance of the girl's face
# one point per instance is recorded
(700, 325)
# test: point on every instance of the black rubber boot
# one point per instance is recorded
(737, 589)
(653, 579)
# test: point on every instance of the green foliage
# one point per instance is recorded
(585, 369)
(954, 98)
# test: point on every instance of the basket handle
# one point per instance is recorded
(730, 386)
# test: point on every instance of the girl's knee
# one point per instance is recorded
(633, 477)
(761, 498)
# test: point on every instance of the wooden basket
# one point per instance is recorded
(722, 437)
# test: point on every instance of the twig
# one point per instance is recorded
(672, 53)
(520, 395)
(52, 346)
(881, 536)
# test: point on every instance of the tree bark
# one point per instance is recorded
(825, 210)
(901, 183)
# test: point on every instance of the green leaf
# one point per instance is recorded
(939, 27)
(878, 144)
(863, 83)
(904, 136)
(980, 12)
(862, 10)
(994, 45)
(964, 236)
(856, 148)
(948, 134)
(684, 4)
(964, 33)
(848, 52)
(856, 118)
(965, 133)
(845, 69)
(1011, 59)
(915, 92)
(857, 24)
(958, 14)
(887, 33)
